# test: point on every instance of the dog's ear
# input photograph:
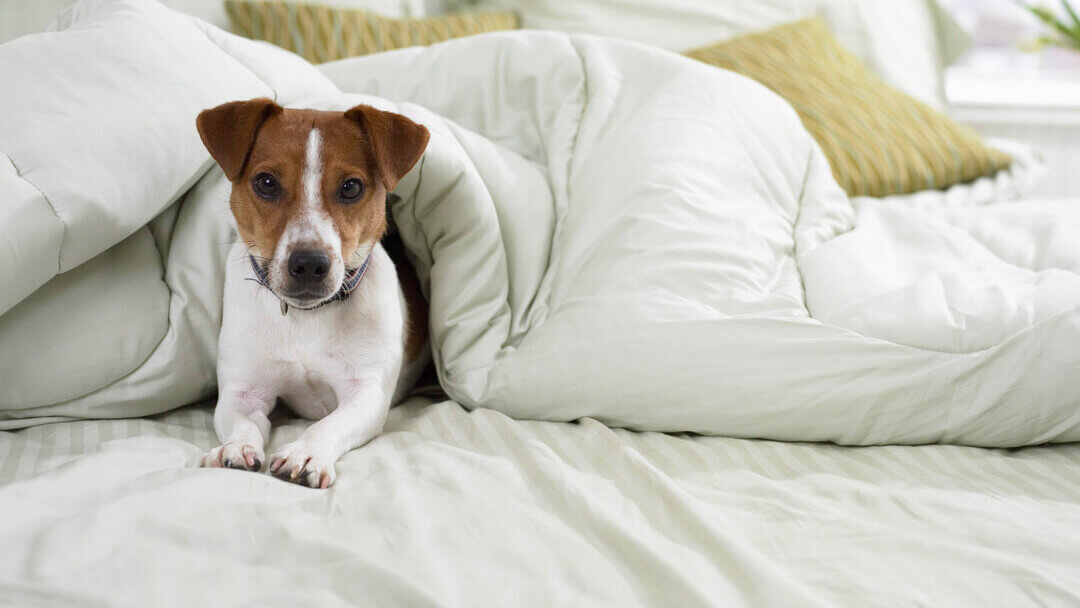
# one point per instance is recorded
(396, 141)
(228, 131)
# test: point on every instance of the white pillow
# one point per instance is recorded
(905, 42)
(21, 17)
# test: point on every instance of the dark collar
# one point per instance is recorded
(347, 286)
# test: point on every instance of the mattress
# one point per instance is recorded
(452, 507)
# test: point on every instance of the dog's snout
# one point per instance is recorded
(309, 266)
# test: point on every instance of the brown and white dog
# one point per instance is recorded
(316, 313)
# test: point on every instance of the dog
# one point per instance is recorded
(316, 313)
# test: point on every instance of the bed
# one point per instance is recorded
(634, 444)
(457, 508)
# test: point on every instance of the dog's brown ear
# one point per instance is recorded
(396, 141)
(228, 131)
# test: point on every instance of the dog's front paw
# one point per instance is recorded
(297, 463)
(234, 456)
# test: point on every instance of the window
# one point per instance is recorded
(1000, 28)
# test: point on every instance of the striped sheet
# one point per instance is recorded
(450, 507)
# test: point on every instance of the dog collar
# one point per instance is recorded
(347, 286)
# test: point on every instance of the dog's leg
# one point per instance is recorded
(241, 422)
(359, 418)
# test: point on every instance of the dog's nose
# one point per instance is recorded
(309, 266)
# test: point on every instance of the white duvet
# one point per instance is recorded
(603, 229)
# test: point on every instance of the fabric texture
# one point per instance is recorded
(456, 508)
(21, 17)
(113, 230)
(602, 229)
(906, 43)
(322, 33)
(716, 279)
(879, 141)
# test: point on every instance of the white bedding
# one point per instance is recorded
(458, 508)
(603, 229)
(589, 187)
(702, 271)
(906, 43)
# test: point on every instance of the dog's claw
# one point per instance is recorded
(233, 456)
(293, 463)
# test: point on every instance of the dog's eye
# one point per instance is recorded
(265, 185)
(351, 190)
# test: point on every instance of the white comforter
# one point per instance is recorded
(603, 229)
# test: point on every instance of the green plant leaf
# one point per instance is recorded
(1048, 17)
(1072, 14)
(1045, 41)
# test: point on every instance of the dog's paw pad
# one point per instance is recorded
(296, 464)
(234, 456)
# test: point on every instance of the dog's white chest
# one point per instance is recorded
(312, 359)
(308, 382)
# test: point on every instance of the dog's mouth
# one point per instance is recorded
(304, 299)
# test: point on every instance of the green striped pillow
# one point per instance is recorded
(879, 140)
(322, 33)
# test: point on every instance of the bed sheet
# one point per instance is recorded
(457, 508)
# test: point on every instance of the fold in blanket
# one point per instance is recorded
(602, 229)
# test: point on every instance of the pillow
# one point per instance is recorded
(879, 141)
(322, 33)
(906, 42)
(21, 18)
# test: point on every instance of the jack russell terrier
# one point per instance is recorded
(316, 312)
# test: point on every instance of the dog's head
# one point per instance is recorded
(309, 187)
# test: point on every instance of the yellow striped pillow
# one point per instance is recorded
(879, 141)
(321, 33)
